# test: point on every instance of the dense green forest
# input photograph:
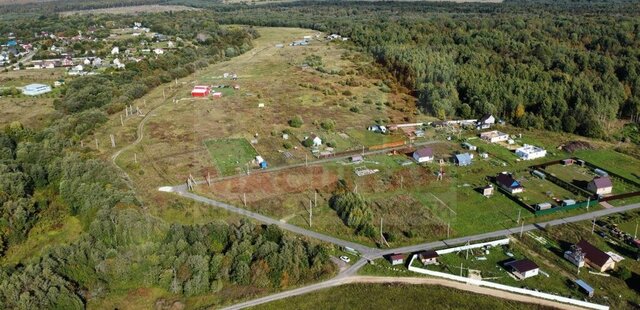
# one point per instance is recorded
(561, 66)
(46, 175)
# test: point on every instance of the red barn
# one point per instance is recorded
(200, 91)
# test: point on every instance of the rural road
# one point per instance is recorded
(369, 253)
(374, 253)
(337, 281)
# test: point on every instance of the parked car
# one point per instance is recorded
(345, 259)
(601, 234)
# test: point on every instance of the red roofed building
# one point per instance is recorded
(200, 91)
(396, 259)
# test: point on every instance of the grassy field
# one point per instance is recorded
(394, 296)
(231, 156)
(174, 134)
(34, 112)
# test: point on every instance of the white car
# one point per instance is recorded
(345, 259)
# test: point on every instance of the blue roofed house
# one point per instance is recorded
(508, 183)
(463, 159)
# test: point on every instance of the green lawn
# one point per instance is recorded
(538, 191)
(613, 161)
(369, 138)
(394, 296)
(231, 156)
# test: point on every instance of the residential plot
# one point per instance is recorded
(231, 156)
(538, 191)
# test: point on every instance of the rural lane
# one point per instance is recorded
(402, 280)
(374, 253)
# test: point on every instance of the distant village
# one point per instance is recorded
(96, 50)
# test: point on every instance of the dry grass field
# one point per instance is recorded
(174, 134)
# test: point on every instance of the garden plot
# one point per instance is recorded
(581, 176)
(537, 190)
(231, 156)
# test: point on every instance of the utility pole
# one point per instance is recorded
(163, 95)
(113, 141)
(306, 160)
(448, 228)
(244, 199)
(521, 229)
(310, 212)
(461, 269)
(121, 120)
(635, 234)
(97, 144)
(588, 202)
(315, 198)
(135, 158)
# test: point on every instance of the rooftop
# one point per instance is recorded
(602, 182)
(523, 265)
(424, 152)
(592, 253)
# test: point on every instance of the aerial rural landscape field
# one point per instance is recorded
(190, 154)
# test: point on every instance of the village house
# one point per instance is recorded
(396, 259)
(508, 183)
(200, 91)
(423, 155)
(595, 258)
(485, 122)
(463, 159)
(523, 268)
(316, 140)
(115, 50)
(530, 152)
(600, 185)
(494, 136)
(428, 257)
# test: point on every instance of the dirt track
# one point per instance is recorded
(460, 286)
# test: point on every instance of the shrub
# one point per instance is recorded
(328, 124)
(296, 122)
(287, 145)
(354, 109)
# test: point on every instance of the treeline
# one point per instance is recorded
(122, 246)
(561, 66)
(354, 211)
(44, 7)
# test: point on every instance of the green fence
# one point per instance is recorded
(581, 204)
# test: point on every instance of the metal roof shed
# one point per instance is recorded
(585, 287)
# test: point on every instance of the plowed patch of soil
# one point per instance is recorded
(261, 186)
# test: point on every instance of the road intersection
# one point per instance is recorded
(369, 254)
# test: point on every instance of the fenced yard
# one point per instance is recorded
(230, 156)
